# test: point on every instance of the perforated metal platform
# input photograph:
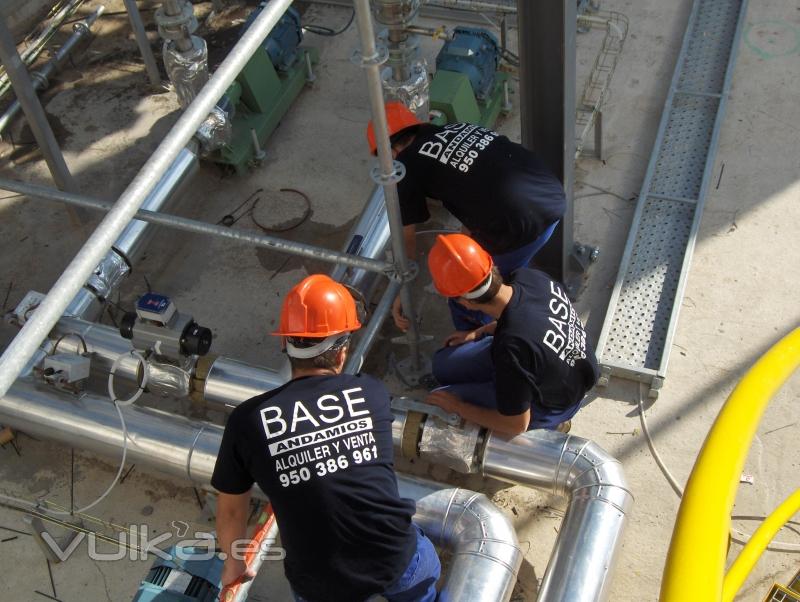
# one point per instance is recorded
(643, 311)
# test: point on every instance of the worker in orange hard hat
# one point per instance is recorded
(502, 193)
(531, 366)
(320, 447)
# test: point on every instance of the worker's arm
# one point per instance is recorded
(459, 337)
(410, 238)
(491, 419)
(232, 512)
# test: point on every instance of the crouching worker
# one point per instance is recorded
(320, 447)
(529, 368)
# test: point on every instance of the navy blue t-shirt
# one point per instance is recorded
(320, 447)
(498, 189)
(540, 352)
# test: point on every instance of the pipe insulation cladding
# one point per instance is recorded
(486, 553)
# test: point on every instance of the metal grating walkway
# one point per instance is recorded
(643, 311)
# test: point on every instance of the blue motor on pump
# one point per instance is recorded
(475, 53)
(282, 42)
(191, 575)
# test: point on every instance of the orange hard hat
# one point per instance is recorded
(458, 264)
(318, 307)
(398, 117)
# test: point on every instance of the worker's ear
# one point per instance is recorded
(341, 357)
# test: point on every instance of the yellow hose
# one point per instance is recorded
(750, 554)
(696, 559)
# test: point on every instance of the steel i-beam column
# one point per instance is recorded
(547, 88)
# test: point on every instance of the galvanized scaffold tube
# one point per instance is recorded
(198, 227)
(39, 78)
(150, 65)
(25, 344)
(388, 176)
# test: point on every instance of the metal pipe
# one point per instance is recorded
(127, 249)
(198, 227)
(473, 5)
(150, 65)
(40, 77)
(367, 337)
(370, 60)
(368, 238)
(588, 542)
(231, 382)
(486, 554)
(31, 53)
(37, 120)
(24, 345)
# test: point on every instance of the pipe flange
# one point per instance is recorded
(80, 28)
(397, 174)
(37, 77)
(397, 13)
(379, 58)
(411, 435)
(176, 27)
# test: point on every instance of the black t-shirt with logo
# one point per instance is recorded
(320, 447)
(498, 189)
(540, 352)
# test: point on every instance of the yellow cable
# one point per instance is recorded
(696, 558)
(750, 554)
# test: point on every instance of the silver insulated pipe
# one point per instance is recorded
(593, 482)
(117, 263)
(486, 554)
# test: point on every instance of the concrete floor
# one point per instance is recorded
(740, 298)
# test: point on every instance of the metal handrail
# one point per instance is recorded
(696, 559)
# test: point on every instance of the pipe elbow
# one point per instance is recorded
(587, 471)
(485, 550)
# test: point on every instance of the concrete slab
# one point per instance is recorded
(741, 295)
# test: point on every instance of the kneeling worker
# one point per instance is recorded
(320, 447)
(530, 367)
(502, 193)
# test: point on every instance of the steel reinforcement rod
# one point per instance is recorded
(199, 227)
(25, 344)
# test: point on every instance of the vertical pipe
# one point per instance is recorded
(144, 45)
(23, 88)
(356, 358)
(370, 58)
(547, 106)
(25, 344)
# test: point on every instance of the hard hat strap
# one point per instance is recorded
(304, 353)
(480, 291)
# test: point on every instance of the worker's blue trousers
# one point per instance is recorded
(468, 371)
(470, 319)
(418, 581)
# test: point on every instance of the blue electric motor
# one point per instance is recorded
(282, 42)
(191, 576)
(475, 53)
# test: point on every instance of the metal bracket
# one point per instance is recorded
(403, 277)
(411, 376)
(412, 405)
(398, 173)
(379, 58)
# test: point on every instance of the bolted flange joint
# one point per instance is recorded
(176, 27)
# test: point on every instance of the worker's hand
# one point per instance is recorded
(236, 571)
(447, 401)
(397, 313)
(459, 337)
